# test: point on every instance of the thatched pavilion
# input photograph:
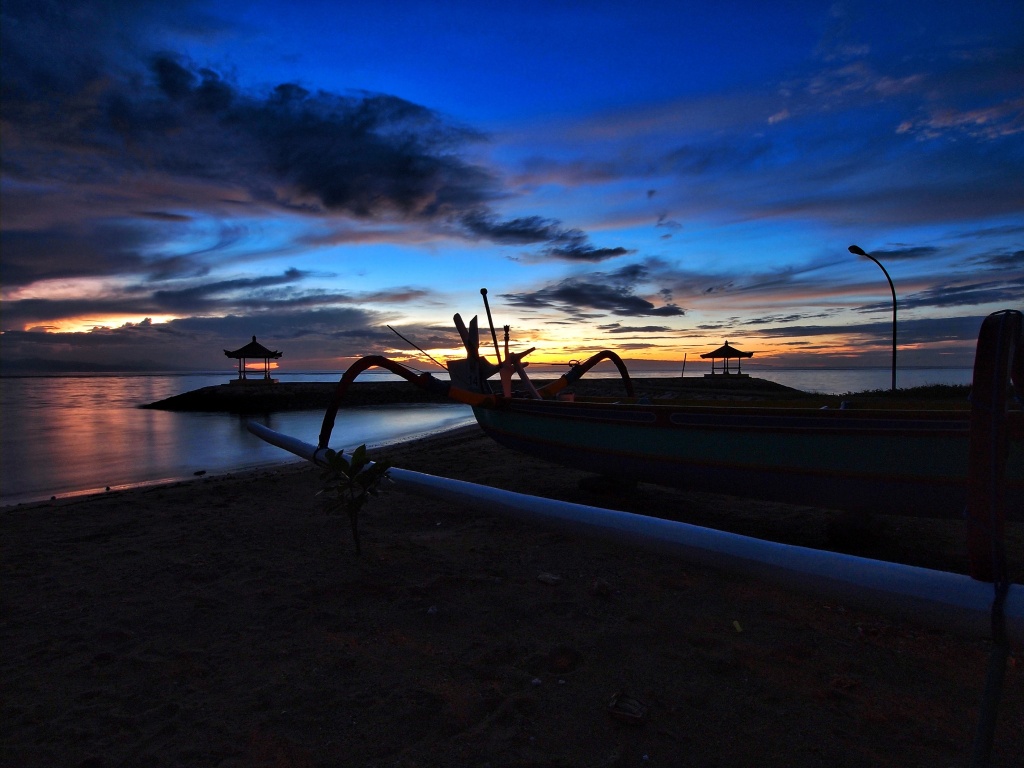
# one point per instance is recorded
(725, 353)
(253, 350)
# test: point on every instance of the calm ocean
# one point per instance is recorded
(69, 434)
(63, 435)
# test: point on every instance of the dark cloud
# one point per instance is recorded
(909, 331)
(239, 296)
(197, 343)
(713, 157)
(999, 260)
(718, 288)
(640, 329)
(322, 323)
(321, 338)
(729, 324)
(99, 108)
(71, 251)
(104, 248)
(561, 243)
(635, 346)
(362, 154)
(20, 313)
(197, 298)
(540, 169)
(164, 216)
(905, 254)
(580, 250)
(609, 292)
(1003, 292)
(666, 222)
(365, 155)
(791, 318)
(983, 233)
(522, 231)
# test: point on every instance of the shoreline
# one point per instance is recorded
(226, 621)
(285, 461)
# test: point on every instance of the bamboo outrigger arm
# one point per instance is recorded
(946, 601)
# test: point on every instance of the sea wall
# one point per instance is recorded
(304, 396)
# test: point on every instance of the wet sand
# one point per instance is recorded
(227, 621)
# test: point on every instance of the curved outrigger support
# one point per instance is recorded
(576, 373)
(422, 380)
(469, 377)
(428, 383)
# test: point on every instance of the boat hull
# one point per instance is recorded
(887, 462)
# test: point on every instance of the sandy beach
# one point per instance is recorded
(227, 621)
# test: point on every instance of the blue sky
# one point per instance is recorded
(651, 178)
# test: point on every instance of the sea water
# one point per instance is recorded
(63, 435)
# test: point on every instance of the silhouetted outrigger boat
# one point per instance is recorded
(881, 459)
(885, 459)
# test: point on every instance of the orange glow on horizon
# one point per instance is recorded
(87, 324)
(559, 351)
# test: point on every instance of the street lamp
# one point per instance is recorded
(856, 249)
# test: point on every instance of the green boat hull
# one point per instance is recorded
(891, 462)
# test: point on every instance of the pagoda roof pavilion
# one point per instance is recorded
(725, 353)
(253, 350)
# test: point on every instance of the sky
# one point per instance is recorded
(652, 178)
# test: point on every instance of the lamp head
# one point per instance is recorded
(857, 250)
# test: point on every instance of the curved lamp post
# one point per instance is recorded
(856, 249)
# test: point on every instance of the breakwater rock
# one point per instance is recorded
(311, 396)
(292, 396)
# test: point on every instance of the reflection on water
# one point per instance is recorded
(59, 435)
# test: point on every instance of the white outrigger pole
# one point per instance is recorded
(946, 601)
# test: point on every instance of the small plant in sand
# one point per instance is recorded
(349, 482)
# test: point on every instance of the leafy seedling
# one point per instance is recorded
(349, 482)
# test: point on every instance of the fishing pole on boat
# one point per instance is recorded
(516, 360)
(490, 322)
(411, 344)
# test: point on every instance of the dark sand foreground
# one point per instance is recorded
(227, 622)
